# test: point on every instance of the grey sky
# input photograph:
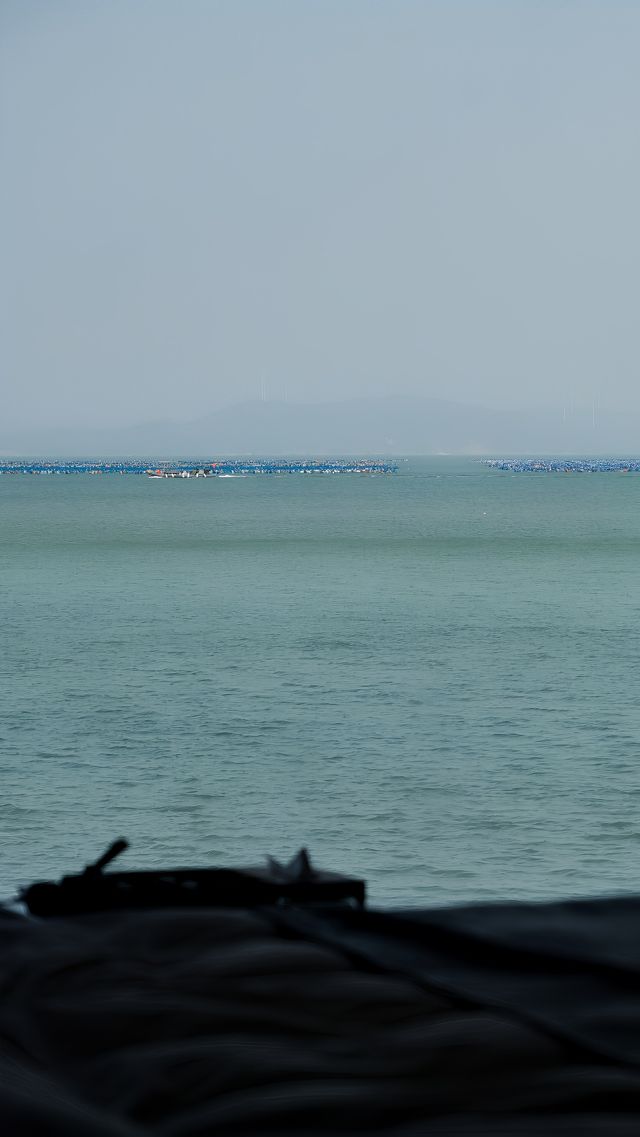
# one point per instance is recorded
(337, 197)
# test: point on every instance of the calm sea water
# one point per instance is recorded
(431, 679)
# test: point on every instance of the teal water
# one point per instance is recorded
(430, 679)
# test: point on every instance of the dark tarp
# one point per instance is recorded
(484, 1020)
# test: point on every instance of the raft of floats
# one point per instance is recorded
(187, 468)
(564, 465)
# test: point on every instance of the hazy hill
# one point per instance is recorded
(392, 425)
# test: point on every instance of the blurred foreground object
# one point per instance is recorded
(93, 890)
(324, 1019)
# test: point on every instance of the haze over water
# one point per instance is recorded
(429, 679)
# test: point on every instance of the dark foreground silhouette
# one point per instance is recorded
(315, 1018)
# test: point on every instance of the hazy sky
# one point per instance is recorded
(335, 197)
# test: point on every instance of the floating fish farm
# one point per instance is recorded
(564, 465)
(194, 468)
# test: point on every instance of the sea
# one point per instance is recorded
(429, 679)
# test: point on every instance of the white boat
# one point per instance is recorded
(200, 472)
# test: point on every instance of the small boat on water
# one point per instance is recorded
(199, 473)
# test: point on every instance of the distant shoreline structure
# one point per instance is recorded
(564, 465)
(190, 468)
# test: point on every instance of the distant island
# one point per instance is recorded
(395, 425)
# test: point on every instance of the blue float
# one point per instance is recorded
(189, 467)
(564, 465)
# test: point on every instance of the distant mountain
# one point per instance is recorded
(400, 425)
